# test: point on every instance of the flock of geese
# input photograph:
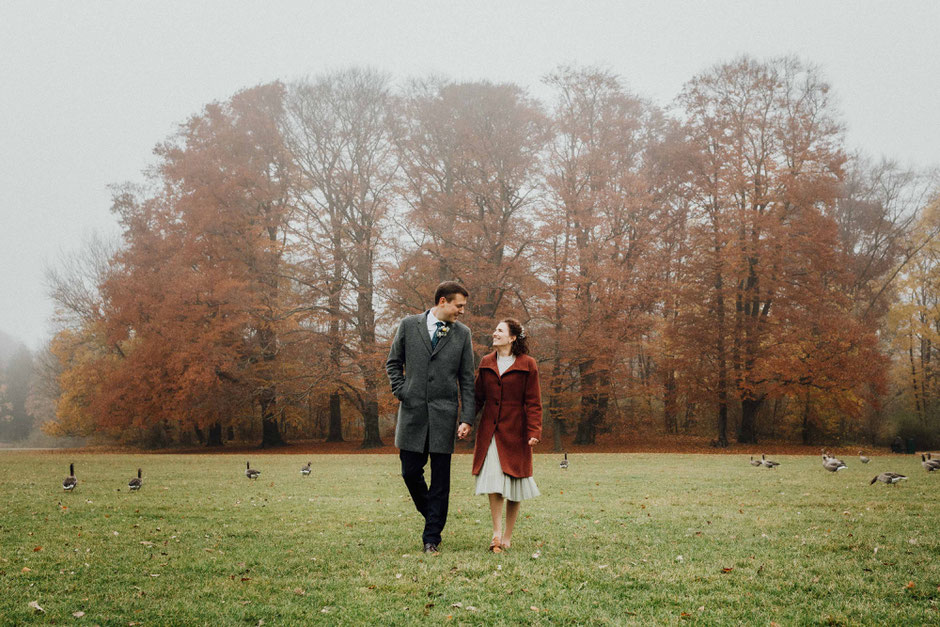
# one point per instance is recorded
(834, 464)
(70, 482)
(829, 462)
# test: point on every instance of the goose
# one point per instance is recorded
(563, 464)
(832, 464)
(250, 472)
(832, 459)
(69, 483)
(135, 483)
(305, 470)
(756, 462)
(888, 477)
(935, 462)
(862, 458)
(929, 464)
(768, 463)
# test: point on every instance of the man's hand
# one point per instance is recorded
(533, 441)
(463, 431)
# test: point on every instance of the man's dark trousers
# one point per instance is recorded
(431, 503)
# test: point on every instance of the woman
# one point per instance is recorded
(507, 390)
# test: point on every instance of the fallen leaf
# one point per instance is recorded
(37, 549)
(35, 606)
(397, 575)
(78, 614)
(910, 585)
(27, 569)
(299, 592)
(457, 604)
(727, 570)
(533, 608)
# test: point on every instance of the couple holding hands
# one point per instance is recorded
(429, 366)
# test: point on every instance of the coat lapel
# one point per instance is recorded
(424, 332)
(443, 340)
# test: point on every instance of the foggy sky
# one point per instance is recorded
(88, 88)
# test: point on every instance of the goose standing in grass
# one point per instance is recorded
(768, 463)
(563, 464)
(250, 472)
(935, 462)
(832, 464)
(69, 483)
(756, 462)
(888, 477)
(862, 458)
(929, 464)
(305, 470)
(135, 483)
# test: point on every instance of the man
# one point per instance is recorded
(429, 365)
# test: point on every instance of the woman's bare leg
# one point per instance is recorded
(512, 512)
(496, 512)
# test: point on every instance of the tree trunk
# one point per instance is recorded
(670, 409)
(749, 409)
(806, 427)
(336, 419)
(215, 435)
(587, 430)
(270, 431)
(371, 437)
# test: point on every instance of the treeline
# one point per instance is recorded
(720, 267)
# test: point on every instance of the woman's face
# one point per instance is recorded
(501, 335)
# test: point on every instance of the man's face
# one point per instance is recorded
(450, 310)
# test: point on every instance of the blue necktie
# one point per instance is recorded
(435, 338)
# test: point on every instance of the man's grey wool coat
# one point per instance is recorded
(430, 384)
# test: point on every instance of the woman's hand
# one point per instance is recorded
(533, 441)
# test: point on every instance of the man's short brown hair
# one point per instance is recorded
(448, 289)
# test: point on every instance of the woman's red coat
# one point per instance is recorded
(512, 409)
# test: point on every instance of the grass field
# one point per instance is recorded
(617, 538)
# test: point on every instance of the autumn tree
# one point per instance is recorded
(599, 224)
(340, 134)
(770, 163)
(469, 154)
(195, 308)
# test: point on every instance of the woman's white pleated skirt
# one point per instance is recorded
(492, 479)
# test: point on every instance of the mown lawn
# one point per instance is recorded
(616, 538)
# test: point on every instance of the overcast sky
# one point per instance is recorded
(88, 88)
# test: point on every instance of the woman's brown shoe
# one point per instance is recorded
(495, 546)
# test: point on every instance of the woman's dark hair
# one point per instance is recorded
(448, 289)
(521, 344)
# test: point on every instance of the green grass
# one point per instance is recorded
(201, 544)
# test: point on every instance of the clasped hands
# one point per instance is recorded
(463, 430)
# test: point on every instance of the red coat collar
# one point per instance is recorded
(522, 363)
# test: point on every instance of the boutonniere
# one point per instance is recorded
(443, 331)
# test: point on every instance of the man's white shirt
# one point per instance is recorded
(432, 324)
